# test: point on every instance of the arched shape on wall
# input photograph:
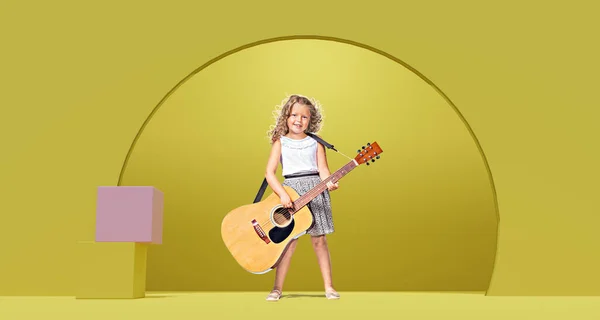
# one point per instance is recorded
(313, 37)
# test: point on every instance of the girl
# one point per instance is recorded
(304, 165)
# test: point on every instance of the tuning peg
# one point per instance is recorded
(358, 151)
(378, 157)
(372, 160)
(368, 163)
(368, 143)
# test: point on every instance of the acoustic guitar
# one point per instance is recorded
(258, 234)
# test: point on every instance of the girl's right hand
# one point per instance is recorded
(286, 201)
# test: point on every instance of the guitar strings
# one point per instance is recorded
(270, 223)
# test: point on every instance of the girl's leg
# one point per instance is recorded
(282, 269)
(324, 259)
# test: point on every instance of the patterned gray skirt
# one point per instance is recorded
(320, 206)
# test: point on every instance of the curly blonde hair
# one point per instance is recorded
(282, 113)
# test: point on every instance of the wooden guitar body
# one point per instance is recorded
(258, 234)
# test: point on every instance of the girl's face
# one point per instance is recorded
(299, 118)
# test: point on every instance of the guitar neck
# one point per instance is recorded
(322, 186)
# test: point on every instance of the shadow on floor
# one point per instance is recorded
(286, 296)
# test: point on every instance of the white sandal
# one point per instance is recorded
(332, 295)
(274, 295)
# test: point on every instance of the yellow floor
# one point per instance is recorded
(304, 305)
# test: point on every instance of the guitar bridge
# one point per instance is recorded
(260, 232)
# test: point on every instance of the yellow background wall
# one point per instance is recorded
(78, 82)
(424, 212)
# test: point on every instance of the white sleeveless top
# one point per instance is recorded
(298, 156)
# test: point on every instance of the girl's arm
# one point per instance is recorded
(272, 169)
(322, 162)
(324, 167)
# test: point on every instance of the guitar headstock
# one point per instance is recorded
(370, 152)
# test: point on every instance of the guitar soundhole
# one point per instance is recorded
(281, 217)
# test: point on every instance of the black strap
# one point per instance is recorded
(323, 142)
(264, 185)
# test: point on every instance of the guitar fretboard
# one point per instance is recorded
(322, 186)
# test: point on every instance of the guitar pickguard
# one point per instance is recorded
(279, 235)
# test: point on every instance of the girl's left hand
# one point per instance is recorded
(332, 186)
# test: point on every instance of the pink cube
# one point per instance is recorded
(129, 214)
